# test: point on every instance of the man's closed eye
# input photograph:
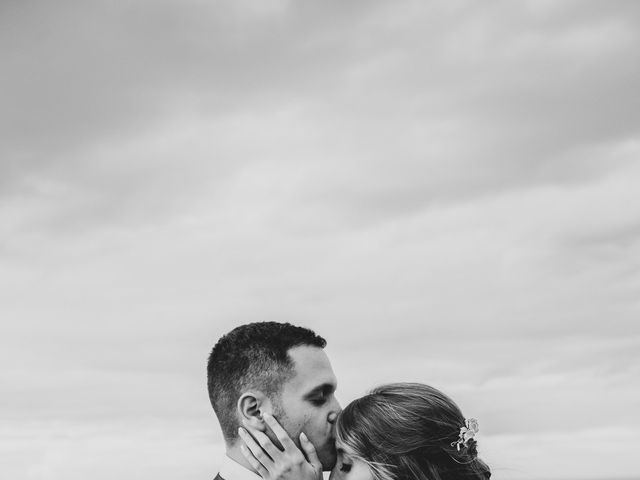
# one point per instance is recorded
(319, 400)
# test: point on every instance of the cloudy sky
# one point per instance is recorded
(447, 191)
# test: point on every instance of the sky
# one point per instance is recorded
(446, 191)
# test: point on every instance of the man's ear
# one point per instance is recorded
(251, 405)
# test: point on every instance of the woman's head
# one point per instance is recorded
(404, 431)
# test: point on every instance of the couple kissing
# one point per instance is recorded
(272, 388)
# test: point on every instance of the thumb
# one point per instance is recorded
(310, 452)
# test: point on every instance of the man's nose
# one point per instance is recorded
(332, 417)
(335, 410)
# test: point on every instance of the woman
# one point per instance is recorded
(401, 431)
(406, 431)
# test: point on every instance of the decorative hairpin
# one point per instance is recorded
(467, 432)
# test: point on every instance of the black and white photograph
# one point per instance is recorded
(320, 240)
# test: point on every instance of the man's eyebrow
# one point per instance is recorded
(325, 388)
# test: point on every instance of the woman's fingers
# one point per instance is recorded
(257, 466)
(258, 452)
(281, 435)
(271, 463)
(265, 442)
(310, 451)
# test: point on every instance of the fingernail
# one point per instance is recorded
(266, 415)
(303, 437)
(241, 431)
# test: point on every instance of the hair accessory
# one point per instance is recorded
(466, 433)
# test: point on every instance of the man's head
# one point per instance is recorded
(280, 369)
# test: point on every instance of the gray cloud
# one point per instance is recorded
(523, 93)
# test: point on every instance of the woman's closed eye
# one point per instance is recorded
(345, 467)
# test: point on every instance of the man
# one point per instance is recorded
(276, 369)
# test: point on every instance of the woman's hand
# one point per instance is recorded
(275, 464)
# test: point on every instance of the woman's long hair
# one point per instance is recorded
(408, 431)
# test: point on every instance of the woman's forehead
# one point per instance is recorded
(343, 448)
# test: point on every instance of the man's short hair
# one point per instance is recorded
(252, 356)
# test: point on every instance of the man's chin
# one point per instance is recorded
(328, 457)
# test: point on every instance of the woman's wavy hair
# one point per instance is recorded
(408, 431)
